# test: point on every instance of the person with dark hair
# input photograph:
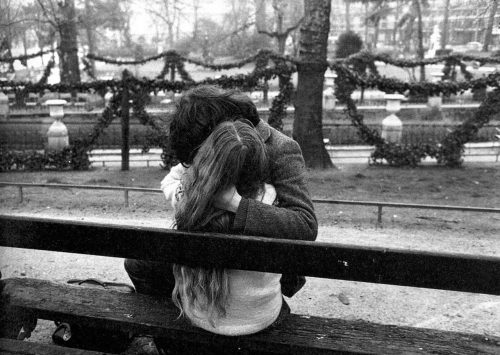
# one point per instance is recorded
(198, 112)
(292, 216)
(225, 301)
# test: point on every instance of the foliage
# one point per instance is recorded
(348, 43)
(23, 58)
(402, 155)
(268, 65)
(449, 152)
(36, 161)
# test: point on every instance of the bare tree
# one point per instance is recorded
(380, 10)
(11, 17)
(407, 21)
(169, 12)
(63, 18)
(280, 34)
(444, 35)
(307, 126)
(489, 27)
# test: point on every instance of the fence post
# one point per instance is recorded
(125, 120)
(125, 194)
(379, 219)
(20, 188)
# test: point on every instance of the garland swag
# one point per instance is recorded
(270, 65)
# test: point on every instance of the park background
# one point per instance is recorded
(229, 33)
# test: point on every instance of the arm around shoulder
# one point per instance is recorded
(293, 217)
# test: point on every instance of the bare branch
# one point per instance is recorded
(46, 14)
(159, 15)
(290, 29)
(270, 34)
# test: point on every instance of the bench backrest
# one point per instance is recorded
(456, 272)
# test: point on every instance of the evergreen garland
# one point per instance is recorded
(47, 71)
(351, 74)
(24, 58)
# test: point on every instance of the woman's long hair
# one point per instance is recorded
(233, 154)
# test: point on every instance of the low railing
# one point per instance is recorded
(378, 204)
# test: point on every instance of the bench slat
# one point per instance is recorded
(17, 347)
(467, 273)
(299, 334)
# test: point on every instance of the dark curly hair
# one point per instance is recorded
(199, 111)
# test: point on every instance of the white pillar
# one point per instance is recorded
(329, 98)
(4, 105)
(392, 127)
(58, 133)
(435, 101)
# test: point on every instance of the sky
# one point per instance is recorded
(214, 9)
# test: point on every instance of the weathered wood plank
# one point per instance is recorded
(298, 335)
(467, 273)
(17, 347)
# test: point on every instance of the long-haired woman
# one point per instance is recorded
(225, 301)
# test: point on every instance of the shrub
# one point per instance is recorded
(32, 160)
(348, 43)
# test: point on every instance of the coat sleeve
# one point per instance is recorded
(293, 217)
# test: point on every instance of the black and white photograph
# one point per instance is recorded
(249, 177)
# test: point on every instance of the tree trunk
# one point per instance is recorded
(489, 27)
(444, 35)
(396, 20)
(260, 15)
(376, 25)
(196, 6)
(366, 27)
(420, 34)
(347, 15)
(89, 30)
(170, 26)
(68, 49)
(281, 44)
(307, 126)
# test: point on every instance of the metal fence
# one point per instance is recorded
(127, 189)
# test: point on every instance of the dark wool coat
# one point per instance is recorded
(294, 216)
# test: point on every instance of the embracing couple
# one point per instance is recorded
(237, 175)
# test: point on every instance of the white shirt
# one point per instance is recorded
(255, 298)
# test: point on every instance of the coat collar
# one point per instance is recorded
(264, 130)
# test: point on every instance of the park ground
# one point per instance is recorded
(476, 184)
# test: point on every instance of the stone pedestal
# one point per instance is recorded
(329, 99)
(4, 105)
(392, 127)
(57, 135)
(435, 102)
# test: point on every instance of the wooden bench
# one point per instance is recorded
(298, 335)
